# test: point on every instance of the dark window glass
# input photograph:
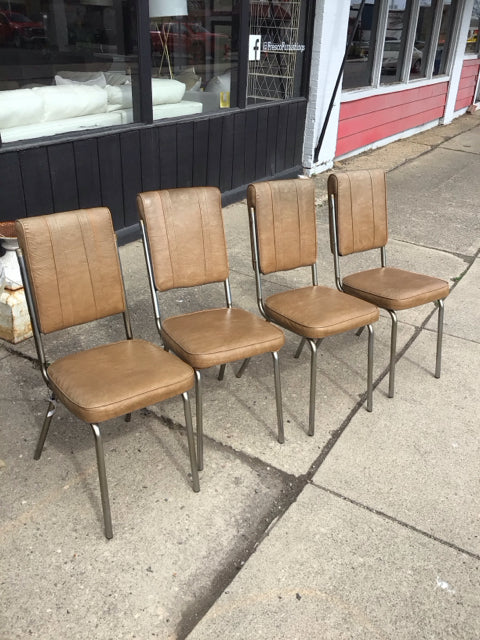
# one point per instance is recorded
(358, 66)
(57, 60)
(394, 45)
(473, 39)
(444, 37)
(199, 48)
(423, 36)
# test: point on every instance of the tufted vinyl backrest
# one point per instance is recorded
(361, 210)
(73, 266)
(286, 223)
(186, 236)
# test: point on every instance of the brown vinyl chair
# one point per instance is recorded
(359, 222)
(284, 236)
(72, 275)
(185, 246)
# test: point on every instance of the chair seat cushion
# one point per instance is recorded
(117, 378)
(395, 289)
(317, 312)
(217, 336)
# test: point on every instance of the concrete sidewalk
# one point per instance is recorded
(367, 530)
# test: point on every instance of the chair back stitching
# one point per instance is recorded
(50, 235)
(199, 209)
(88, 258)
(352, 214)
(373, 192)
(299, 225)
(166, 208)
(204, 215)
(349, 209)
(276, 225)
(61, 264)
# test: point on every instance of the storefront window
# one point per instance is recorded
(69, 65)
(277, 49)
(423, 35)
(410, 46)
(358, 66)
(195, 44)
(444, 37)
(394, 45)
(57, 61)
(473, 39)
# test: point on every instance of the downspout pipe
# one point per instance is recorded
(337, 83)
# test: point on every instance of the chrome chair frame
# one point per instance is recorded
(313, 344)
(393, 316)
(198, 376)
(52, 406)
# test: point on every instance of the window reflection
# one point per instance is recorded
(394, 45)
(68, 66)
(197, 49)
(443, 44)
(358, 66)
(423, 35)
(57, 61)
(473, 39)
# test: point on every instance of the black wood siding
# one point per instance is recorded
(229, 149)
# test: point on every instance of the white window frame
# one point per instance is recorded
(405, 82)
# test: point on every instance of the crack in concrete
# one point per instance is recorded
(469, 259)
(402, 523)
(297, 485)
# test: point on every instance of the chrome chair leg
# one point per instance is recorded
(191, 441)
(393, 350)
(102, 477)
(199, 418)
(128, 417)
(300, 348)
(438, 364)
(52, 407)
(278, 397)
(370, 368)
(313, 386)
(359, 331)
(221, 373)
(242, 368)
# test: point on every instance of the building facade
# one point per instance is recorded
(102, 99)
(412, 64)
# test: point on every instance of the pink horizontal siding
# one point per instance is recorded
(369, 120)
(468, 84)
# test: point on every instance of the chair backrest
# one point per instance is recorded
(360, 209)
(186, 236)
(73, 267)
(286, 223)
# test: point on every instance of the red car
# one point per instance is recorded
(21, 31)
(189, 39)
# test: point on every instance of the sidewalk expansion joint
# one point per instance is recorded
(19, 354)
(397, 521)
(468, 259)
(463, 150)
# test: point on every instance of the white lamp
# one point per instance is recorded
(164, 9)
